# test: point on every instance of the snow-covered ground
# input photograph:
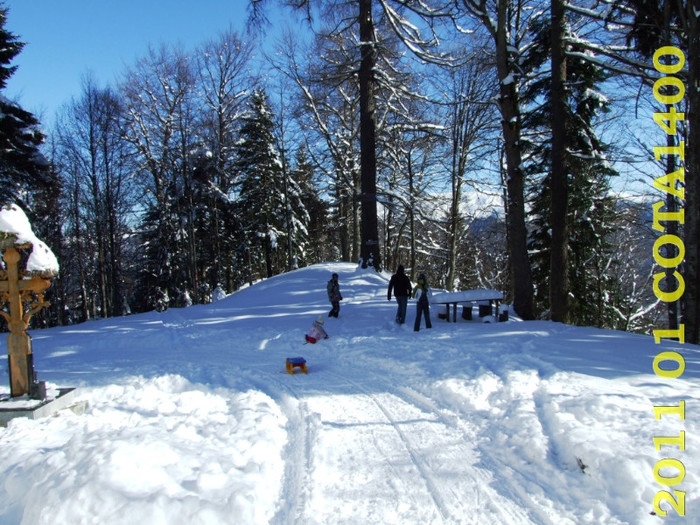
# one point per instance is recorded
(192, 418)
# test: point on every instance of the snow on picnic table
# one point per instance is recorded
(466, 296)
(192, 418)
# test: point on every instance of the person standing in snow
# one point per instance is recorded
(401, 285)
(422, 293)
(334, 296)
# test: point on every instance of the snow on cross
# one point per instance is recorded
(14, 222)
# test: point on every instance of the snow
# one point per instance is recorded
(192, 419)
(14, 221)
(508, 80)
(218, 294)
(467, 296)
(41, 260)
(596, 96)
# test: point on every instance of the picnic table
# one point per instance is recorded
(466, 296)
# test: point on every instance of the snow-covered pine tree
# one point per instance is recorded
(259, 177)
(310, 214)
(590, 210)
(47, 221)
(224, 80)
(159, 129)
(22, 166)
(215, 226)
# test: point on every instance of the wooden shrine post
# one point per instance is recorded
(23, 297)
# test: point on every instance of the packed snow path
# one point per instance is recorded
(193, 419)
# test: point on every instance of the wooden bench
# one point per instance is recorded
(296, 362)
(466, 296)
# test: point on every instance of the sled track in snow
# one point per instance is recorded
(501, 513)
(512, 481)
(296, 475)
(421, 466)
(506, 498)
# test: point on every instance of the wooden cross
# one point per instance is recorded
(16, 292)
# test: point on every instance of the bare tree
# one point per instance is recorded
(223, 67)
(327, 111)
(401, 18)
(96, 162)
(506, 23)
(468, 117)
(223, 70)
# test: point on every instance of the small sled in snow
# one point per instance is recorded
(296, 362)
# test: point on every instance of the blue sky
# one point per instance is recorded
(67, 38)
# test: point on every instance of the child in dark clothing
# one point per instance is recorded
(334, 296)
(422, 293)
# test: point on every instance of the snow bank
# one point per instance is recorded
(157, 450)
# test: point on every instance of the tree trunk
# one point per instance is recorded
(80, 256)
(412, 221)
(289, 222)
(459, 152)
(453, 226)
(559, 263)
(369, 251)
(521, 276)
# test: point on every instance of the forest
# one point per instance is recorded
(529, 146)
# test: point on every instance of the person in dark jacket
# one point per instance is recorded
(334, 296)
(422, 293)
(401, 285)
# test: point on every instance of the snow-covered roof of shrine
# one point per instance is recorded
(41, 260)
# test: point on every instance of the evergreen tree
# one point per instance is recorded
(47, 222)
(216, 226)
(312, 233)
(154, 280)
(675, 23)
(260, 186)
(22, 166)
(590, 210)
